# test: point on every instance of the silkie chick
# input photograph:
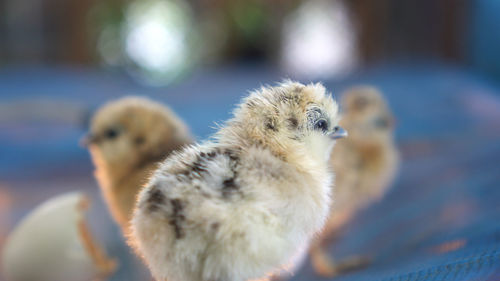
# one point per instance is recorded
(240, 206)
(365, 165)
(127, 139)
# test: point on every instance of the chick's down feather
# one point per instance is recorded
(239, 206)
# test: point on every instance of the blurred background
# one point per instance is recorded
(436, 61)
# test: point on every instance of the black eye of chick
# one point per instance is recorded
(321, 125)
(111, 133)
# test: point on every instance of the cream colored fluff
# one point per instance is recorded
(127, 139)
(240, 206)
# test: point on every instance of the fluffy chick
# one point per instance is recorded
(239, 206)
(127, 138)
(365, 165)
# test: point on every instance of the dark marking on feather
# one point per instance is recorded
(284, 98)
(155, 199)
(270, 125)
(251, 104)
(293, 123)
(177, 217)
(233, 156)
(215, 226)
(209, 155)
(199, 166)
(293, 96)
(298, 89)
(229, 186)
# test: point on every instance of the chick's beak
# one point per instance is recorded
(87, 140)
(338, 133)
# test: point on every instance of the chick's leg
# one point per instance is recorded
(321, 260)
(326, 266)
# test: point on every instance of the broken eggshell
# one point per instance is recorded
(54, 243)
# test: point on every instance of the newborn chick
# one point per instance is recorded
(240, 206)
(127, 138)
(365, 164)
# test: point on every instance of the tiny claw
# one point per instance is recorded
(352, 264)
(325, 266)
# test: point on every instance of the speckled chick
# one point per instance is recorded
(127, 139)
(365, 165)
(239, 206)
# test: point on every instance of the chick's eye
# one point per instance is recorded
(111, 133)
(321, 125)
(361, 103)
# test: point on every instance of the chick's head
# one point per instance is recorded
(366, 116)
(133, 131)
(288, 117)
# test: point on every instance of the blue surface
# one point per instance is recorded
(484, 39)
(440, 221)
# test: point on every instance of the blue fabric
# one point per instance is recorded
(484, 38)
(440, 221)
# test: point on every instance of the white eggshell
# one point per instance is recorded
(53, 243)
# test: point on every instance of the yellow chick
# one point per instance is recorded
(365, 165)
(127, 138)
(240, 206)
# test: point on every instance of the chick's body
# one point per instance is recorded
(127, 139)
(364, 177)
(365, 164)
(239, 207)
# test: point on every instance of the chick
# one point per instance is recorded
(240, 206)
(365, 165)
(127, 138)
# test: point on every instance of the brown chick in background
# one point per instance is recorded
(127, 138)
(365, 164)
